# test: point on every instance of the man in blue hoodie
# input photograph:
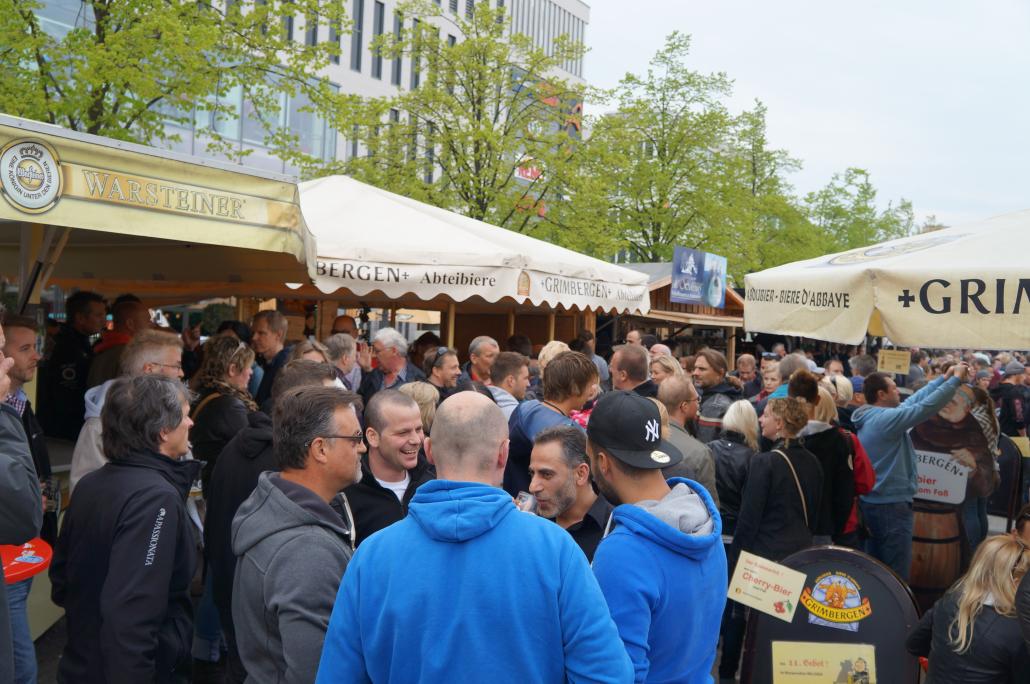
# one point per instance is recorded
(662, 568)
(467, 587)
(883, 423)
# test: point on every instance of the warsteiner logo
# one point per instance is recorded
(835, 600)
(30, 175)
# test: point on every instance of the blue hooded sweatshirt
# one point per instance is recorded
(467, 588)
(883, 433)
(528, 420)
(663, 571)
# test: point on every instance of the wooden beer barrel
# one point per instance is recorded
(938, 551)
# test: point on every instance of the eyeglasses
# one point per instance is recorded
(354, 439)
(176, 366)
(440, 353)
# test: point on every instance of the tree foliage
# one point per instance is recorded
(128, 68)
(484, 131)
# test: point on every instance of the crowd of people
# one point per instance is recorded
(352, 509)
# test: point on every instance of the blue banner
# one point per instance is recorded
(698, 278)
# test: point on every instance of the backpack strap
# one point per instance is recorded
(204, 402)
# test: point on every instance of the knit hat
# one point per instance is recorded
(1014, 368)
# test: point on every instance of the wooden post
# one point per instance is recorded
(550, 326)
(450, 324)
(731, 347)
(511, 322)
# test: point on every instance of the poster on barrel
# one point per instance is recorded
(956, 452)
(850, 625)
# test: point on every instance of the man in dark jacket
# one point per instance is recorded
(20, 510)
(234, 478)
(1012, 400)
(391, 351)
(630, 370)
(717, 393)
(62, 382)
(291, 546)
(394, 466)
(268, 338)
(126, 555)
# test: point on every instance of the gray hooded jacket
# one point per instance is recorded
(291, 551)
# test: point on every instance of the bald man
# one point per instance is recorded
(517, 581)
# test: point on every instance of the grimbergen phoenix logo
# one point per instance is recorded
(31, 177)
(835, 600)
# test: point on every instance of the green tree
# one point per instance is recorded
(662, 168)
(132, 67)
(846, 215)
(484, 131)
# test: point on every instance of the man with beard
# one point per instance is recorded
(394, 466)
(717, 393)
(563, 487)
(442, 370)
(955, 430)
(662, 568)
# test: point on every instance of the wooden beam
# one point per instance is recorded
(511, 322)
(451, 309)
(550, 326)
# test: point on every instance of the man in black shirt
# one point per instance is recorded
(1011, 396)
(563, 487)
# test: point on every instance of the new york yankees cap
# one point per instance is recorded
(629, 427)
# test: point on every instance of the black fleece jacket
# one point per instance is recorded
(375, 507)
(122, 570)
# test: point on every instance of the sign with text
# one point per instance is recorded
(893, 361)
(801, 662)
(764, 585)
(940, 477)
(698, 278)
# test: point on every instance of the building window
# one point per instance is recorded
(415, 66)
(378, 26)
(334, 38)
(354, 142)
(453, 6)
(311, 29)
(430, 153)
(470, 8)
(395, 75)
(287, 20)
(357, 35)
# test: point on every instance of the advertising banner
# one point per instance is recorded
(698, 278)
(764, 585)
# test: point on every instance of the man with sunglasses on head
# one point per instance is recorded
(443, 371)
(291, 546)
(394, 466)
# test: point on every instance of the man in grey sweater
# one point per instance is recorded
(291, 546)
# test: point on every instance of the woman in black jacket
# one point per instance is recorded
(221, 408)
(779, 508)
(972, 635)
(822, 438)
(732, 453)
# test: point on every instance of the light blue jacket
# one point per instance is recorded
(467, 588)
(884, 435)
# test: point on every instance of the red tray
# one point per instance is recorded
(25, 561)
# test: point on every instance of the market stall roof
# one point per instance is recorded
(961, 287)
(664, 309)
(373, 242)
(79, 209)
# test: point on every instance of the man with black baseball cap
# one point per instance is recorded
(662, 566)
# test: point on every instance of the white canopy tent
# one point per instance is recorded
(369, 240)
(961, 287)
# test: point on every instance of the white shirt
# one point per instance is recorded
(397, 488)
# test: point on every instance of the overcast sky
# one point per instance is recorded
(931, 97)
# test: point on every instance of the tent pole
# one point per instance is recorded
(550, 326)
(511, 322)
(450, 324)
(731, 347)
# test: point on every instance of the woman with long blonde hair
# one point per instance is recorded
(972, 634)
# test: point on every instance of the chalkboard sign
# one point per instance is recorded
(850, 600)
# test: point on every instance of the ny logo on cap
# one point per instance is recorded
(652, 430)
